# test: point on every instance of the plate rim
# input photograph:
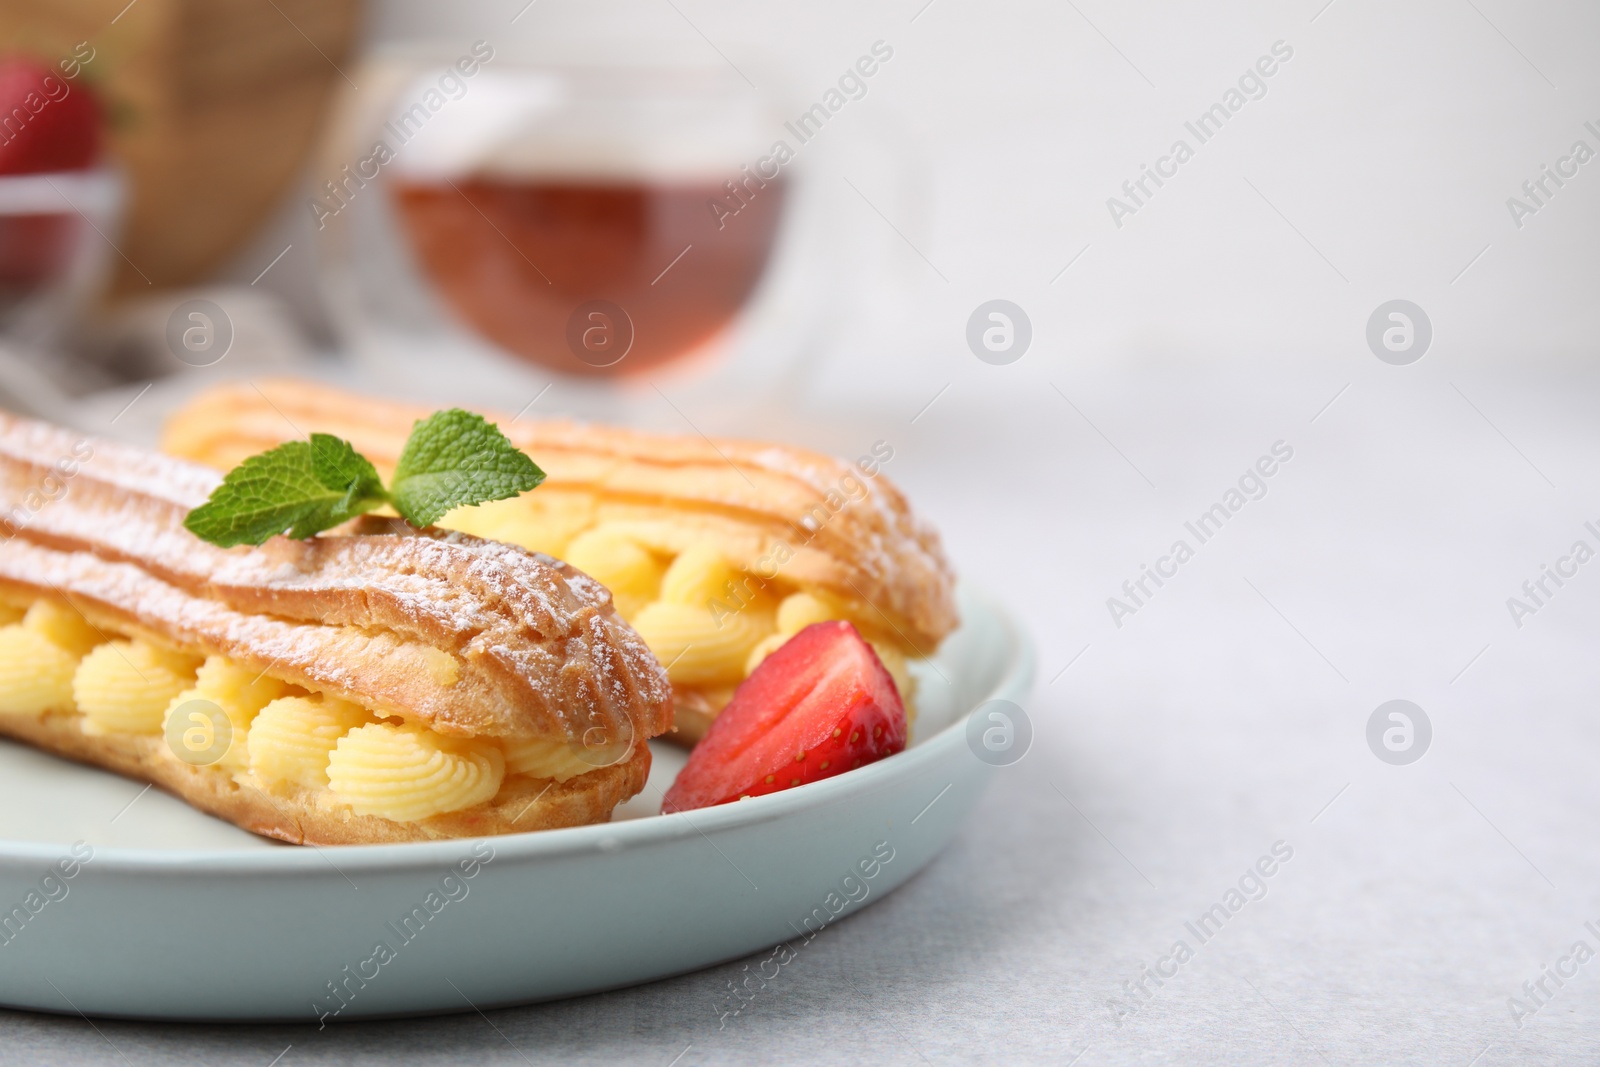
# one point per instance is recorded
(1015, 679)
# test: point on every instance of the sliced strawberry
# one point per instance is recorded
(47, 123)
(822, 704)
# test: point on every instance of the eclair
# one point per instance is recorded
(716, 551)
(378, 683)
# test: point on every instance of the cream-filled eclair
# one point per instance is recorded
(380, 683)
(716, 551)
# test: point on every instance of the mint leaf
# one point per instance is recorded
(456, 459)
(302, 487)
(452, 459)
(336, 463)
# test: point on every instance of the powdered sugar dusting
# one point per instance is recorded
(350, 613)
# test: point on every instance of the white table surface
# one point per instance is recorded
(1230, 712)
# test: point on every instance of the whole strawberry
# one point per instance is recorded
(47, 123)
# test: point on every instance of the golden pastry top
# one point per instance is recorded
(465, 636)
(766, 507)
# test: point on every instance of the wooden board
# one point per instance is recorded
(215, 106)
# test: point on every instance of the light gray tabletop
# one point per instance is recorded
(1220, 731)
(1106, 904)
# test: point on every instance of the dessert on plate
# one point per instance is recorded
(716, 551)
(377, 683)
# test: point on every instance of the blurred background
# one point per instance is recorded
(980, 242)
(975, 163)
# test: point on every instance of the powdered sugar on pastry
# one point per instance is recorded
(446, 633)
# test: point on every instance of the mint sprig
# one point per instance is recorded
(452, 459)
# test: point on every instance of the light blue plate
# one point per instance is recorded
(180, 916)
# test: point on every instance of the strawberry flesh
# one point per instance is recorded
(822, 704)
